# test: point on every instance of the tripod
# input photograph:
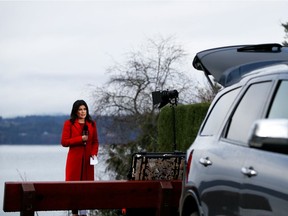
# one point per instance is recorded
(173, 103)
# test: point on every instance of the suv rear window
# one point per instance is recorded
(218, 113)
(249, 109)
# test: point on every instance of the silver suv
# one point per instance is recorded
(238, 163)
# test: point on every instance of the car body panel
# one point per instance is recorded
(219, 187)
(265, 193)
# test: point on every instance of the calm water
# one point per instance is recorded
(38, 163)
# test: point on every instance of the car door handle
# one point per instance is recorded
(249, 171)
(205, 161)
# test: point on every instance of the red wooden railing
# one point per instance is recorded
(29, 197)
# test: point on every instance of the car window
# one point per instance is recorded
(279, 108)
(248, 110)
(218, 113)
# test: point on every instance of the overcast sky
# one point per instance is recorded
(52, 51)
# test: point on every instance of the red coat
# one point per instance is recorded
(78, 159)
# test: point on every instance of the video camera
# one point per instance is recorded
(165, 97)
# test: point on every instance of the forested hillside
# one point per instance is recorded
(47, 130)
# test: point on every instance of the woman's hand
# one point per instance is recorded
(93, 160)
(84, 138)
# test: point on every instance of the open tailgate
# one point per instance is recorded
(228, 64)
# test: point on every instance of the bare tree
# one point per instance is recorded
(157, 66)
(285, 26)
(128, 93)
(127, 96)
(207, 92)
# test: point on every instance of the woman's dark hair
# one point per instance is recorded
(76, 105)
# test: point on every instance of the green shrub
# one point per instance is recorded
(188, 119)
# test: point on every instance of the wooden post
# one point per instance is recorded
(28, 199)
(165, 198)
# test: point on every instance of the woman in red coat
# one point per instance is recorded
(80, 135)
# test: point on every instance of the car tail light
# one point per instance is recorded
(188, 166)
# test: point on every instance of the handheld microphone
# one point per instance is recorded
(85, 132)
